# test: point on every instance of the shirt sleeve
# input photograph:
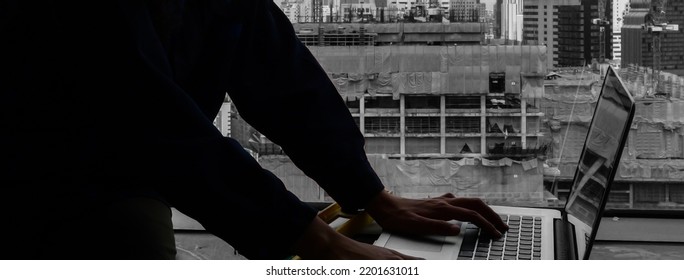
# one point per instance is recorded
(205, 175)
(280, 89)
(95, 108)
(92, 113)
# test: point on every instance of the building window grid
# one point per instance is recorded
(422, 125)
(462, 124)
(382, 124)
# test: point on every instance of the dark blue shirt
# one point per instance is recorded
(101, 100)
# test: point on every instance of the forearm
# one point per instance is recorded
(320, 241)
(316, 241)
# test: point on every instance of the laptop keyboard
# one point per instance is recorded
(521, 242)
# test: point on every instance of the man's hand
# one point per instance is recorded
(431, 216)
(409, 216)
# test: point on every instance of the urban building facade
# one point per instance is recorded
(566, 27)
(424, 110)
(437, 101)
(367, 11)
(650, 173)
(380, 34)
(638, 43)
(540, 25)
(429, 113)
(509, 19)
(620, 9)
(465, 11)
(291, 9)
(580, 40)
(497, 30)
(479, 111)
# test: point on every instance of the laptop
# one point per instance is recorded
(537, 233)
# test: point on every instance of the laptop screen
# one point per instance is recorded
(600, 157)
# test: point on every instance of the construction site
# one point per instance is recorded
(460, 119)
(383, 34)
(488, 121)
(653, 35)
(650, 173)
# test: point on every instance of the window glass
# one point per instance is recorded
(436, 86)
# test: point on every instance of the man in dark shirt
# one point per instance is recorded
(106, 112)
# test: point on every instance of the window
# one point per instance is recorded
(462, 102)
(385, 102)
(387, 125)
(422, 125)
(422, 102)
(497, 82)
(427, 127)
(462, 125)
(422, 120)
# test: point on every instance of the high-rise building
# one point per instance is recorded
(637, 42)
(540, 25)
(510, 19)
(566, 27)
(482, 10)
(292, 9)
(620, 9)
(403, 5)
(464, 10)
(579, 39)
(306, 13)
(497, 19)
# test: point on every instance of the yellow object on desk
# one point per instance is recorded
(353, 225)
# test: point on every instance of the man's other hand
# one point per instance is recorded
(321, 242)
(431, 216)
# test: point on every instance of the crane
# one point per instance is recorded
(656, 24)
(602, 22)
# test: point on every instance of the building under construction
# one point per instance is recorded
(422, 102)
(650, 173)
(484, 121)
(638, 43)
(459, 119)
(382, 34)
(426, 135)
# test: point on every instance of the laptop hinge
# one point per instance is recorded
(564, 245)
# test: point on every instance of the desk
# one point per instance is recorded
(639, 239)
(637, 251)
(617, 239)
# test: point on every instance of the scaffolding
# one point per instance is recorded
(442, 101)
(337, 38)
(383, 34)
(639, 81)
